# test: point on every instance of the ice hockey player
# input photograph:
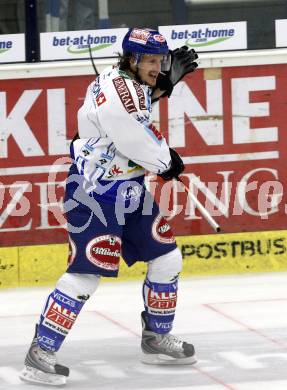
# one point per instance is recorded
(109, 210)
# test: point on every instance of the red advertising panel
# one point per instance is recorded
(38, 118)
(228, 124)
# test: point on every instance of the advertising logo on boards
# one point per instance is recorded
(78, 44)
(226, 129)
(81, 44)
(12, 48)
(207, 37)
(5, 46)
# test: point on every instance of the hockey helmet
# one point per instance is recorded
(140, 41)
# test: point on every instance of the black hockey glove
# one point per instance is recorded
(176, 167)
(182, 63)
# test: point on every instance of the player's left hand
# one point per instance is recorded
(176, 167)
(182, 63)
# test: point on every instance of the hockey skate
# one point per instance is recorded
(164, 348)
(41, 367)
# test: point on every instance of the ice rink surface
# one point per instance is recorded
(238, 325)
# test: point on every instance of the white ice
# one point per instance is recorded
(238, 325)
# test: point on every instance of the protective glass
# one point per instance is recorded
(166, 63)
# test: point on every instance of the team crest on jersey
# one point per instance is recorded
(161, 231)
(104, 252)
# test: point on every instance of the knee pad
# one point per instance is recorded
(62, 308)
(78, 286)
(165, 268)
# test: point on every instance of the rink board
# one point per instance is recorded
(227, 120)
(218, 254)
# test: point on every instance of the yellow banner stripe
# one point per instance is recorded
(216, 254)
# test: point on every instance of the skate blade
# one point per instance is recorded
(160, 359)
(32, 375)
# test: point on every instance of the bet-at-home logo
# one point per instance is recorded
(204, 37)
(5, 46)
(81, 44)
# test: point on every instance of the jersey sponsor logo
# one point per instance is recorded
(101, 99)
(107, 157)
(86, 152)
(124, 94)
(141, 95)
(139, 36)
(114, 171)
(104, 252)
(103, 161)
(162, 300)
(161, 230)
(134, 167)
(142, 119)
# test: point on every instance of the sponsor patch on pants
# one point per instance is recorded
(104, 252)
(161, 231)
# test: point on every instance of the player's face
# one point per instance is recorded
(149, 68)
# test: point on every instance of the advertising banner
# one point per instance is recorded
(207, 37)
(228, 124)
(67, 45)
(12, 48)
(281, 32)
(212, 254)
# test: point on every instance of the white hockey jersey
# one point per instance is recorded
(117, 140)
